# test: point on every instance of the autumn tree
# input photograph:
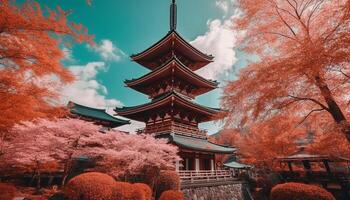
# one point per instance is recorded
(262, 142)
(302, 64)
(324, 140)
(30, 51)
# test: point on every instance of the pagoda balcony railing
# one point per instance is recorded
(173, 127)
(205, 176)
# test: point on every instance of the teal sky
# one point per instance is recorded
(132, 26)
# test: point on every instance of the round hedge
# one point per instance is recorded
(7, 191)
(145, 188)
(90, 186)
(172, 195)
(168, 180)
(128, 191)
(297, 191)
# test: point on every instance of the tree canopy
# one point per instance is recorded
(302, 66)
(31, 41)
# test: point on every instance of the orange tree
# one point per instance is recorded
(262, 142)
(30, 50)
(302, 64)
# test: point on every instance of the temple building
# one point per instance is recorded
(172, 85)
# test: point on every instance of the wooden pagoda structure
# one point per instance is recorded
(172, 85)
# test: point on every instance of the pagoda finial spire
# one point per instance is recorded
(173, 16)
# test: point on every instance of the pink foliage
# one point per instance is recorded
(36, 143)
(131, 153)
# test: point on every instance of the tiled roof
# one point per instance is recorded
(233, 163)
(174, 94)
(199, 144)
(95, 114)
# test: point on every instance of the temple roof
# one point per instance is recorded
(99, 115)
(167, 100)
(233, 163)
(199, 144)
(142, 84)
(172, 41)
(237, 165)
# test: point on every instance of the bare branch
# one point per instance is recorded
(283, 35)
(284, 21)
(309, 99)
(314, 9)
(312, 111)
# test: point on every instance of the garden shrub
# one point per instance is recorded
(128, 191)
(167, 180)
(145, 188)
(7, 191)
(172, 195)
(90, 186)
(297, 191)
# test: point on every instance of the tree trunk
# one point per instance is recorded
(38, 183)
(333, 107)
(67, 169)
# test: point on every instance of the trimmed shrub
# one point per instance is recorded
(172, 195)
(90, 186)
(127, 191)
(167, 180)
(7, 191)
(296, 191)
(145, 188)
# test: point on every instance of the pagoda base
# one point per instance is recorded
(223, 190)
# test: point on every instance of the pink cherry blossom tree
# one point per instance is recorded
(34, 146)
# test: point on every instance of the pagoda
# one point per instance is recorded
(172, 85)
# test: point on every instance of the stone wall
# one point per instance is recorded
(221, 192)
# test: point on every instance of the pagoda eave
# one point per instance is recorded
(167, 101)
(173, 68)
(172, 41)
(199, 144)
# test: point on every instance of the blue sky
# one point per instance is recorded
(126, 27)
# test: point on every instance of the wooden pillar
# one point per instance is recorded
(326, 165)
(290, 166)
(197, 164)
(177, 165)
(186, 164)
(212, 164)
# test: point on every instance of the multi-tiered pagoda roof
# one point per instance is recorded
(172, 43)
(172, 85)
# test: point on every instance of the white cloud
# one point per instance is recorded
(68, 54)
(132, 127)
(220, 41)
(86, 89)
(108, 51)
(224, 5)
